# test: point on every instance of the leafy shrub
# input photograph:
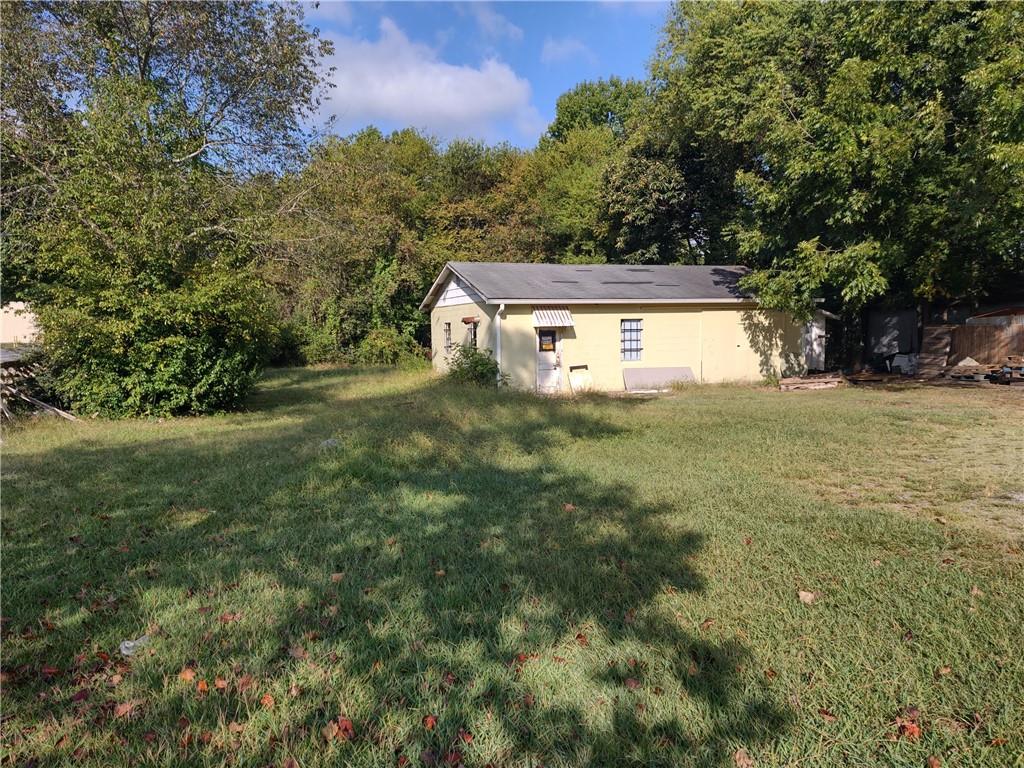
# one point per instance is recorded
(289, 345)
(474, 366)
(387, 346)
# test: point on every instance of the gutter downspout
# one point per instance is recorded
(497, 341)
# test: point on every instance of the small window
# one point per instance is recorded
(472, 334)
(630, 332)
(546, 341)
(447, 337)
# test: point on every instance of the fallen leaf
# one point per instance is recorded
(582, 639)
(244, 683)
(943, 671)
(290, 762)
(294, 690)
(206, 737)
(220, 683)
(453, 758)
(770, 673)
(329, 731)
(528, 700)
(975, 592)
(747, 540)
(630, 616)
(568, 507)
(466, 736)
(346, 730)
(933, 762)
(632, 683)
(126, 708)
(440, 573)
(430, 722)
(202, 686)
(228, 616)
(235, 727)
(999, 741)
(116, 679)
(336, 577)
(297, 652)
(706, 623)
(828, 716)
(267, 701)
(402, 761)
(909, 730)
(741, 759)
(81, 695)
(807, 597)
(187, 675)
(49, 671)
(204, 609)
(149, 737)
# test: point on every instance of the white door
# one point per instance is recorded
(549, 370)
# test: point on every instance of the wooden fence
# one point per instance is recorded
(988, 344)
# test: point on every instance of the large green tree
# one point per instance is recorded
(126, 129)
(877, 147)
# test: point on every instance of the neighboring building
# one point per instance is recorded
(561, 327)
(17, 324)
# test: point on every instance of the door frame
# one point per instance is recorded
(536, 358)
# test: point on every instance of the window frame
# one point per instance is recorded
(631, 339)
(447, 337)
(473, 328)
(541, 333)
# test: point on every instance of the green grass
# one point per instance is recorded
(479, 534)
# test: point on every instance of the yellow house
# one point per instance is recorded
(610, 327)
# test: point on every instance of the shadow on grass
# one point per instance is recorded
(481, 579)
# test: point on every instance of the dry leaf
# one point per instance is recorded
(346, 730)
(933, 762)
(742, 759)
(582, 639)
(220, 683)
(336, 577)
(568, 507)
(706, 623)
(229, 616)
(466, 736)
(235, 727)
(329, 731)
(828, 716)
(245, 682)
(267, 701)
(202, 686)
(807, 597)
(430, 722)
(632, 683)
(297, 652)
(126, 709)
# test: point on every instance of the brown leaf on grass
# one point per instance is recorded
(453, 758)
(204, 609)
(235, 727)
(187, 675)
(126, 708)
(943, 671)
(220, 683)
(741, 759)
(908, 729)
(440, 573)
(329, 731)
(747, 540)
(149, 737)
(975, 592)
(567, 507)
(706, 623)
(770, 673)
(346, 730)
(336, 577)
(297, 652)
(202, 686)
(466, 736)
(430, 722)
(244, 683)
(116, 679)
(827, 716)
(267, 701)
(294, 690)
(48, 671)
(807, 597)
(999, 741)
(206, 737)
(632, 683)
(81, 695)
(582, 639)
(528, 701)
(290, 762)
(630, 616)
(228, 616)
(402, 761)
(933, 762)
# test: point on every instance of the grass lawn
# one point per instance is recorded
(487, 577)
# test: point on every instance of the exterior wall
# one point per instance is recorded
(718, 343)
(453, 313)
(17, 324)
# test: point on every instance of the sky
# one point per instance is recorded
(482, 70)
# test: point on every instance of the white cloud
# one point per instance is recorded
(565, 48)
(396, 80)
(493, 24)
(329, 12)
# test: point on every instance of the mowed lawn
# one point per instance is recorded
(486, 577)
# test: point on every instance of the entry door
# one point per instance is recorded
(549, 371)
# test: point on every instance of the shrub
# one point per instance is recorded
(289, 346)
(387, 346)
(474, 366)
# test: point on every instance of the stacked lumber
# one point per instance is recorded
(818, 381)
(1012, 371)
(935, 346)
(15, 384)
(973, 372)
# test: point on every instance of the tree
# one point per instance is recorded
(147, 300)
(610, 103)
(876, 147)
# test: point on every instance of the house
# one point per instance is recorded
(17, 324)
(566, 327)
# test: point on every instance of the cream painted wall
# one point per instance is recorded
(460, 331)
(17, 324)
(731, 343)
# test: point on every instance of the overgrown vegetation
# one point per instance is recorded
(470, 576)
(846, 151)
(469, 365)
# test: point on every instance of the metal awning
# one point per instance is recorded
(552, 317)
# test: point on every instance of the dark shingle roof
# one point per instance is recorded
(580, 283)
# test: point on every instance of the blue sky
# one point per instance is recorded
(481, 70)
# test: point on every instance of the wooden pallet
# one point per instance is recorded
(819, 381)
(935, 345)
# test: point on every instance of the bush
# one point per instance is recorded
(289, 346)
(386, 346)
(474, 366)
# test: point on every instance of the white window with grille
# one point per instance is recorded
(630, 339)
(447, 337)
